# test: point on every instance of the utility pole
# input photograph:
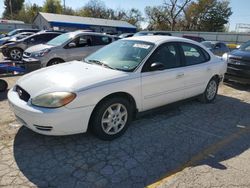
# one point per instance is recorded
(11, 13)
(64, 7)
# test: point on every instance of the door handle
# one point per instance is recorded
(179, 75)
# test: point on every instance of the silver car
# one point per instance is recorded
(66, 47)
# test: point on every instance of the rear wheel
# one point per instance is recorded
(210, 92)
(111, 118)
(54, 62)
(16, 54)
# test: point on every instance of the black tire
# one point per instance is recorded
(54, 62)
(212, 85)
(18, 52)
(3, 85)
(96, 125)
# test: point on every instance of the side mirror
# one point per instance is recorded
(157, 66)
(72, 45)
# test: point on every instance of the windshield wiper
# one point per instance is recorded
(99, 63)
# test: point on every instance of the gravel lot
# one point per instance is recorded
(183, 145)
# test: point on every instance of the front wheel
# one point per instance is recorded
(111, 118)
(210, 92)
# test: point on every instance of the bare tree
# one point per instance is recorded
(173, 9)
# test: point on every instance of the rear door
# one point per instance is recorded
(197, 69)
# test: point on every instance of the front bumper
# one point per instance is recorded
(238, 74)
(58, 121)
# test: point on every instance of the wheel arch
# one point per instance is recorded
(122, 94)
(53, 59)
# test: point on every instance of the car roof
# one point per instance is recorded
(158, 39)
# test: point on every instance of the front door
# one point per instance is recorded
(163, 86)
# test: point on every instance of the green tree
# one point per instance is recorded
(207, 15)
(28, 12)
(11, 8)
(52, 6)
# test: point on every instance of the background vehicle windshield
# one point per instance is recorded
(245, 46)
(207, 44)
(61, 39)
(12, 33)
(123, 55)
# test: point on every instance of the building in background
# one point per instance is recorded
(9, 25)
(70, 23)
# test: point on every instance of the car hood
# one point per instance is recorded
(74, 76)
(240, 54)
(38, 48)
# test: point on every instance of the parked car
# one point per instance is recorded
(143, 33)
(105, 90)
(16, 31)
(238, 67)
(218, 48)
(66, 47)
(195, 38)
(14, 38)
(14, 50)
(126, 35)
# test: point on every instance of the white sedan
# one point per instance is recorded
(105, 90)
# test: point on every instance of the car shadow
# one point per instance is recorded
(3, 95)
(237, 85)
(155, 146)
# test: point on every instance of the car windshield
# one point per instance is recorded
(124, 55)
(61, 39)
(245, 46)
(12, 33)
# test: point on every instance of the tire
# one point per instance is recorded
(54, 62)
(210, 92)
(3, 85)
(16, 54)
(106, 123)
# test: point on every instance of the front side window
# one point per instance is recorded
(193, 54)
(123, 55)
(166, 54)
(79, 42)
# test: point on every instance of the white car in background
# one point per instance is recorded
(66, 47)
(103, 92)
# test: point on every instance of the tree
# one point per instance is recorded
(156, 18)
(12, 7)
(28, 12)
(173, 9)
(207, 15)
(53, 6)
(95, 9)
(166, 16)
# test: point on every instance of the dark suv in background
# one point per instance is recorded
(238, 67)
(15, 50)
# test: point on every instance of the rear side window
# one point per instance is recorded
(101, 40)
(48, 37)
(194, 54)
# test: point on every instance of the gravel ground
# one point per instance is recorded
(183, 145)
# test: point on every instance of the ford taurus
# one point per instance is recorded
(104, 91)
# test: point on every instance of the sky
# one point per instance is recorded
(240, 8)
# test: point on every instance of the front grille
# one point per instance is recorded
(24, 95)
(239, 64)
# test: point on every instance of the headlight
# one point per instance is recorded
(53, 100)
(225, 57)
(42, 53)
